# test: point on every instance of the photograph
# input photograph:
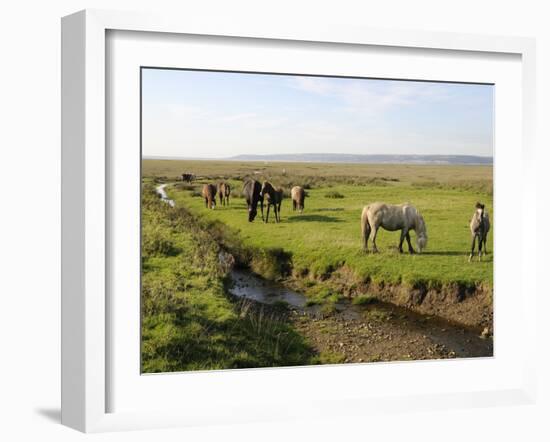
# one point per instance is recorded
(301, 220)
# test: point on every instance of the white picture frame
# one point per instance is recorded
(86, 356)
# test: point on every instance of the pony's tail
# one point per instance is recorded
(365, 227)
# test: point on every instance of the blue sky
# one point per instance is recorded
(218, 114)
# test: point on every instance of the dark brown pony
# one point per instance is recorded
(224, 190)
(187, 177)
(298, 196)
(251, 193)
(209, 195)
(274, 198)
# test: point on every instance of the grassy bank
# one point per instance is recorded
(188, 321)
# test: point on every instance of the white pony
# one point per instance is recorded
(402, 217)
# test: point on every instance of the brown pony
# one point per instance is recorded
(298, 196)
(187, 177)
(224, 190)
(274, 198)
(209, 195)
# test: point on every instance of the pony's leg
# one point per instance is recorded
(408, 236)
(366, 234)
(485, 244)
(262, 207)
(401, 239)
(473, 246)
(479, 248)
(206, 203)
(374, 233)
(267, 215)
(293, 206)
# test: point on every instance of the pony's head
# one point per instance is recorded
(480, 209)
(266, 187)
(421, 234)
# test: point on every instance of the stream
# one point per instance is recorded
(161, 192)
(359, 331)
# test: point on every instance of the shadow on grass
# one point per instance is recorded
(318, 218)
(331, 209)
(446, 253)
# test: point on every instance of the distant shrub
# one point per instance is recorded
(334, 194)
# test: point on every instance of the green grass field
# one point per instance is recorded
(327, 235)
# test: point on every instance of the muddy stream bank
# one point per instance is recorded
(362, 333)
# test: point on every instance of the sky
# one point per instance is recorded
(221, 114)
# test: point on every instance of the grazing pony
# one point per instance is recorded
(404, 217)
(187, 177)
(224, 190)
(209, 195)
(251, 193)
(479, 226)
(298, 196)
(274, 198)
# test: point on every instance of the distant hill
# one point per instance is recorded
(375, 159)
(347, 158)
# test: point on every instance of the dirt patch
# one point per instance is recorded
(381, 336)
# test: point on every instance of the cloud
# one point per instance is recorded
(372, 96)
(239, 117)
(253, 120)
(186, 111)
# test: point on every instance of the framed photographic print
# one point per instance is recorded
(249, 214)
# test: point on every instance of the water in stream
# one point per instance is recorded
(161, 191)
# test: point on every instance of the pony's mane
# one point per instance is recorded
(420, 224)
(267, 187)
